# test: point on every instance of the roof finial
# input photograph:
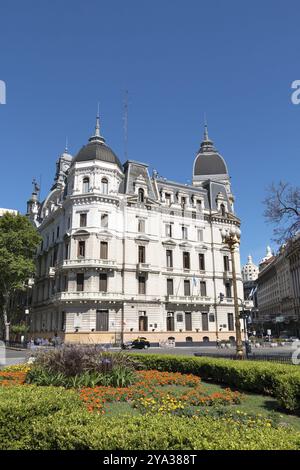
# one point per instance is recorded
(97, 136)
(206, 138)
(97, 128)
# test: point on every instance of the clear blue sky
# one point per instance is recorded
(233, 59)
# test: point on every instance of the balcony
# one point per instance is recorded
(89, 263)
(52, 271)
(87, 296)
(143, 267)
(188, 299)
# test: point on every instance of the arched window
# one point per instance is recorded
(86, 185)
(189, 339)
(205, 339)
(104, 186)
(141, 195)
(222, 209)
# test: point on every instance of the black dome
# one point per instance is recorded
(97, 150)
(209, 164)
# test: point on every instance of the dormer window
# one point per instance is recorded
(222, 209)
(104, 186)
(141, 195)
(168, 199)
(86, 185)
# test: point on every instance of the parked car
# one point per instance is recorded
(138, 343)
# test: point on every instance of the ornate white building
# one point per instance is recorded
(249, 270)
(127, 254)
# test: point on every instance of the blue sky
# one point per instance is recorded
(234, 60)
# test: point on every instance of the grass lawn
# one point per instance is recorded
(252, 403)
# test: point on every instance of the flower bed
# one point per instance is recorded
(149, 394)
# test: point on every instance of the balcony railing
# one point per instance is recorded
(82, 295)
(143, 267)
(188, 299)
(89, 263)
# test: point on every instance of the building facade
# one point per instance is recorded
(277, 291)
(127, 254)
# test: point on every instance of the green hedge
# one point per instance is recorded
(48, 418)
(280, 381)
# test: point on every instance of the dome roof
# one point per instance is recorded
(208, 161)
(96, 149)
(209, 164)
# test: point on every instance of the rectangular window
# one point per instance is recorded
(203, 288)
(168, 230)
(170, 321)
(141, 226)
(200, 235)
(187, 288)
(80, 282)
(188, 321)
(102, 317)
(142, 254)
(103, 250)
(63, 321)
(143, 321)
(67, 252)
(199, 205)
(103, 282)
(170, 287)
(57, 232)
(65, 284)
(82, 221)
(81, 249)
(168, 199)
(204, 321)
(228, 290)
(226, 263)
(183, 202)
(184, 232)
(169, 256)
(104, 220)
(201, 262)
(230, 321)
(186, 260)
(142, 285)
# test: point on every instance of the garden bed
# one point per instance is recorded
(98, 400)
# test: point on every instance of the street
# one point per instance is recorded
(15, 357)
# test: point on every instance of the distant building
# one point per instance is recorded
(10, 211)
(249, 271)
(278, 290)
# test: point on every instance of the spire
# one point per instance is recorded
(207, 145)
(66, 146)
(97, 136)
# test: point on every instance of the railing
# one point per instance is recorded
(188, 299)
(282, 359)
(143, 267)
(86, 262)
(102, 296)
(81, 295)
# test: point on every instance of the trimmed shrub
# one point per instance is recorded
(21, 405)
(83, 431)
(280, 381)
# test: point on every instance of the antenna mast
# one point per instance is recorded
(125, 124)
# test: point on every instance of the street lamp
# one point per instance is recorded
(231, 237)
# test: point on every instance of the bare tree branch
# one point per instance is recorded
(282, 209)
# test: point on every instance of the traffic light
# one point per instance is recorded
(221, 297)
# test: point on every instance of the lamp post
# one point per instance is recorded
(231, 238)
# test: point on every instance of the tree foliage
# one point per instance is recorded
(18, 244)
(282, 209)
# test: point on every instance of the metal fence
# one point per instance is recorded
(281, 359)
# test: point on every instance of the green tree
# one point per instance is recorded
(18, 243)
